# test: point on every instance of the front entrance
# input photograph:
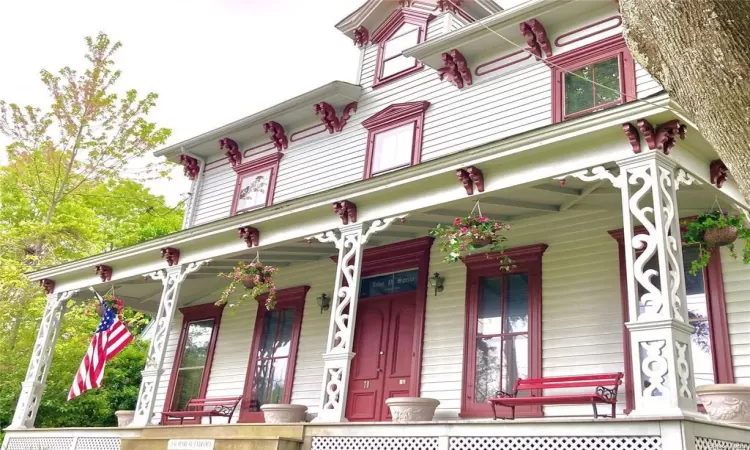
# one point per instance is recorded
(383, 347)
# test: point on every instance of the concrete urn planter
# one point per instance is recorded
(124, 418)
(412, 409)
(283, 413)
(729, 403)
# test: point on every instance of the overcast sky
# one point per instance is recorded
(210, 61)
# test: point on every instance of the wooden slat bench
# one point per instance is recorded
(197, 408)
(605, 391)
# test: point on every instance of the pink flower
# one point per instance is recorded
(462, 246)
(498, 225)
(464, 229)
(457, 221)
(507, 226)
(482, 219)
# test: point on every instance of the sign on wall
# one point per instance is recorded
(190, 444)
(391, 283)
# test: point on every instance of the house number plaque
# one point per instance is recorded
(190, 444)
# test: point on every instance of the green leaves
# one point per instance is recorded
(695, 231)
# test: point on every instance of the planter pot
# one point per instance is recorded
(719, 237)
(412, 409)
(124, 418)
(247, 280)
(283, 413)
(481, 242)
(729, 403)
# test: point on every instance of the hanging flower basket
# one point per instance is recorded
(114, 303)
(471, 233)
(257, 279)
(716, 229)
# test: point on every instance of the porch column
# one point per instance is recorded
(350, 240)
(171, 279)
(659, 329)
(41, 359)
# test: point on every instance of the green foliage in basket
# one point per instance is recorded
(695, 231)
(462, 237)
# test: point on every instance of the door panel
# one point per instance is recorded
(400, 351)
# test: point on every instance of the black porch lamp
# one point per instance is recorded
(324, 302)
(436, 281)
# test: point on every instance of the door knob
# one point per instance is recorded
(381, 352)
(379, 369)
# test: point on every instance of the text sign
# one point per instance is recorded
(190, 444)
(388, 284)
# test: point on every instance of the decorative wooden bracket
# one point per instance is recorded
(471, 176)
(250, 235)
(719, 172)
(48, 285)
(361, 36)
(632, 133)
(536, 38)
(277, 134)
(191, 167)
(171, 255)
(449, 5)
(455, 69)
(327, 114)
(231, 150)
(346, 210)
(664, 137)
(104, 272)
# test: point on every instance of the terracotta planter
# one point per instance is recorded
(729, 403)
(124, 418)
(718, 237)
(481, 242)
(412, 409)
(283, 413)
(248, 281)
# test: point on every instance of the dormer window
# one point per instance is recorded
(403, 29)
(256, 181)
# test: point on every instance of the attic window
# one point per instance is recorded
(403, 29)
(393, 61)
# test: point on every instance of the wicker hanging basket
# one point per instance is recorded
(248, 280)
(718, 237)
(481, 242)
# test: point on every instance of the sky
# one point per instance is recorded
(210, 61)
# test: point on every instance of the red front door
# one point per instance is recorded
(381, 368)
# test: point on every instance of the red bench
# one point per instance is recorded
(605, 391)
(197, 408)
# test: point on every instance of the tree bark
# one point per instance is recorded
(699, 50)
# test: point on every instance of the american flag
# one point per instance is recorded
(110, 338)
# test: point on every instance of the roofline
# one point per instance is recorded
(352, 91)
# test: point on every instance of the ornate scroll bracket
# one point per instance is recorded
(594, 174)
(536, 38)
(455, 69)
(190, 165)
(277, 134)
(327, 114)
(664, 137)
(471, 176)
(361, 37)
(346, 210)
(171, 255)
(685, 178)
(719, 172)
(250, 235)
(380, 225)
(48, 285)
(231, 150)
(104, 272)
(632, 133)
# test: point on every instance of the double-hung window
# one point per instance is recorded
(256, 181)
(394, 137)
(403, 29)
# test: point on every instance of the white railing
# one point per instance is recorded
(67, 439)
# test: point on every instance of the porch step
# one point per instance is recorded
(220, 443)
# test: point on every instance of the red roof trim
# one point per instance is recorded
(395, 20)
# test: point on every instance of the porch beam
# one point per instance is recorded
(519, 204)
(588, 190)
(558, 189)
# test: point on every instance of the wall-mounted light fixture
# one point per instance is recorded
(436, 281)
(324, 302)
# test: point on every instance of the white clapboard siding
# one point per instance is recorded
(737, 296)
(217, 189)
(436, 27)
(645, 84)
(161, 390)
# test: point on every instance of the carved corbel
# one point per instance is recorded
(471, 176)
(104, 272)
(361, 36)
(171, 255)
(449, 5)
(231, 150)
(455, 68)
(541, 36)
(533, 45)
(250, 235)
(463, 177)
(346, 210)
(719, 172)
(462, 66)
(277, 134)
(327, 114)
(48, 285)
(664, 137)
(191, 169)
(632, 133)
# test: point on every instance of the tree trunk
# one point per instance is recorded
(699, 50)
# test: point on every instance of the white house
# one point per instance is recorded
(539, 115)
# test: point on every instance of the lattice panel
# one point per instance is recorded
(61, 443)
(374, 443)
(702, 443)
(555, 443)
(98, 443)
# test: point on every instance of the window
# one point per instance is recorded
(192, 364)
(394, 137)
(503, 328)
(256, 181)
(592, 78)
(401, 30)
(273, 354)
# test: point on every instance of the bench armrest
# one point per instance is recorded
(609, 394)
(226, 410)
(503, 394)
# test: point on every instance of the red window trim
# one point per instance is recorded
(717, 319)
(291, 298)
(528, 260)
(193, 314)
(589, 54)
(388, 29)
(254, 167)
(392, 117)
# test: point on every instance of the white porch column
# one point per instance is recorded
(172, 279)
(41, 359)
(659, 328)
(350, 240)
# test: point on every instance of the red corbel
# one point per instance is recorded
(231, 150)
(171, 255)
(327, 114)
(346, 210)
(48, 285)
(277, 134)
(664, 137)
(465, 179)
(719, 172)
(361, 37)
(250, 235)
(104, 272)
(632, 133)
(191, 169)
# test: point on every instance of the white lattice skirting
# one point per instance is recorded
(489, 443)
(702, 443)
(375, 443)
(62, 443)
